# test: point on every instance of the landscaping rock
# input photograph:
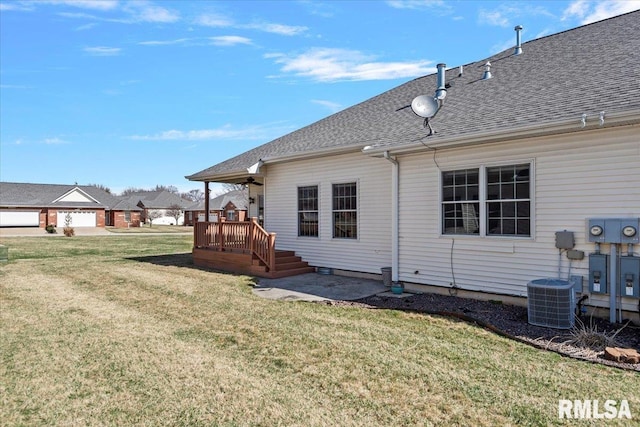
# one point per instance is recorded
(624, 355)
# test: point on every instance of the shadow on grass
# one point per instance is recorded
(183, 260)
(177, 260)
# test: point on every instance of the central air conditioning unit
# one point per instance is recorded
(550, 303)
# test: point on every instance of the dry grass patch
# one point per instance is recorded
(90, 335)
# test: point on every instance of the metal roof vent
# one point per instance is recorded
(441, 91)
(487, 71)
(518, 49)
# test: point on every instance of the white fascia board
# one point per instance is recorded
(242, 174)
(541, 129)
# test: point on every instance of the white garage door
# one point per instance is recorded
(78, 218)
(19, 218)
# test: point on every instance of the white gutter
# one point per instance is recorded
(540, 129)
(395, 218)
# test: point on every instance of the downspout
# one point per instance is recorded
(395, 218)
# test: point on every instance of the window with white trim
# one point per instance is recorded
(345, 210)
(497, 196)
(308, 211)
(460, 201)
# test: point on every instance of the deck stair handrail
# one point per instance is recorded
(239, 236)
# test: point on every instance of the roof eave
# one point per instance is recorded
(629, 117)
(241, 174)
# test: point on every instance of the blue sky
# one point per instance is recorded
(139, 93)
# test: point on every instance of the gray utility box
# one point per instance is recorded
(629, 272)
(598, 273)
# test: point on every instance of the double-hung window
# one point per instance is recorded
(345, 210)
(460, 201)
(498, 197)
(508, 200)
(308, 211)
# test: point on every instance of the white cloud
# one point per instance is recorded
(164, 42)
(414, 4)
(506, 15)
(221, 21)
(281, 29)
(84, 4)
(142, 11)
(590, 11)
(86, 26)
(22, 7)
(54, 141)
(330, 65)
(15, 87)
(494, 17)
(229, 40)
(223, 133)
(102, 51)
(213, 20)
(332, 106)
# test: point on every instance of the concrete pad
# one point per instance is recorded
(318, 287)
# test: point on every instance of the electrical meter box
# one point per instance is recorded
(614, 230)
(598, 279)
(629, 272)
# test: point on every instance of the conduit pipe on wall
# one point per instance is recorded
(395, 217)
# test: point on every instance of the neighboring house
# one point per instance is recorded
(232, 206)
(39, 205)
(549, 142)
(157, 206)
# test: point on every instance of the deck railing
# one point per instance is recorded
(237, 236)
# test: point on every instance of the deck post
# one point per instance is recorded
(272, 251)
(206, 201)
(252, 234)
(221, 232)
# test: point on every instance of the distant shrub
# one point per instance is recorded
(68, 229)
(51, 229)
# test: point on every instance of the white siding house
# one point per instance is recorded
(367, 252)
(471, 200)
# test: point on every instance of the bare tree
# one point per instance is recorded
(152, 215)
(101, 187)
(196, 195)
(175, 210)
(228, 186)
(168, 188)
(130, 190)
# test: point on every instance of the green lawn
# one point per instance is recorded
(122, 330)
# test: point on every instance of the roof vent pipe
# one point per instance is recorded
(518, 49)
(441, 91)
(487, 71)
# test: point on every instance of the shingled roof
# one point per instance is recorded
(239, 198)
(157, 199)
(20, 194)
(560, 77)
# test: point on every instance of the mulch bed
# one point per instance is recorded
(510, 321)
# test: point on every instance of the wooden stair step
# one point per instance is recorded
(291, 266)
(287, 273)
(287, 259)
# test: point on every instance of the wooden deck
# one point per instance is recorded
(243, 247)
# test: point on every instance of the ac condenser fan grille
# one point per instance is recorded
(551, 303)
